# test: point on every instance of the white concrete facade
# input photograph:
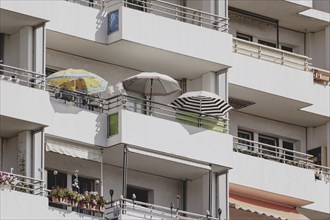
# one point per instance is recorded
(165, 157)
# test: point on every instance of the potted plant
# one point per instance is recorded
(73, 198)
(101, 202)
(93, 201)
(63, 195)
(54, 193)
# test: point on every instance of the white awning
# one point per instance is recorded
(74, 150)
(265, 208)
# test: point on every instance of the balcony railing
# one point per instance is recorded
(22, 77)
(21, 183)
(169, 112)
(271, 54)
(281, 155)
(78, 99)
(178, 12)
(94, 4)
(141, 210)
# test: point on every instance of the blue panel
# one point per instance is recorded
(113, 21)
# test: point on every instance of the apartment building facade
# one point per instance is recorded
(269, 60)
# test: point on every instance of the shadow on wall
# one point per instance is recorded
(101, 26)
(101, 128)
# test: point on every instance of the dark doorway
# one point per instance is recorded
(141, 194)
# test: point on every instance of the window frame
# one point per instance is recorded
(246, 37)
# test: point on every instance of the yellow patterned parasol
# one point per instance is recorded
(78, 80)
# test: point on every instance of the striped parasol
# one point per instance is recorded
(202, 102)
(78, 80)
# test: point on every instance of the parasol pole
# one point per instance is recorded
(152, 80)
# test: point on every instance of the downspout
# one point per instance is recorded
(101, 177)
(125, 172)
(278, 34)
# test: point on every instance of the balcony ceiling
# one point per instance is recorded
(132, 55)
(287, 13)
(144, 162)
(10, 127)
(11, 22)
(276, 107)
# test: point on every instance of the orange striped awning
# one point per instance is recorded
(265, 208)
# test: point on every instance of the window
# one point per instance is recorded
(244, 37)
(288, 146)
(266, 43)
(142, 195)
(289, 49)
(53, 179)
(246, 135)
(85, 184)
(268, 150)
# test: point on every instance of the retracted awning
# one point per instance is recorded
(74, 150)
(264, 208)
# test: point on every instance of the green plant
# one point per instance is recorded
(74, 196)
(54, 192)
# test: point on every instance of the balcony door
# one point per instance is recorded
(268, 150)
(248, 135)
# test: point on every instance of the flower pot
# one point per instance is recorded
(64, 201)
(83, 205)
(55, 199)
(95, 208)
(74, 203)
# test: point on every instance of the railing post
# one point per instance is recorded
(282, 58)
(200, 19)
(176, 13)
(102, 5)
(259, 52)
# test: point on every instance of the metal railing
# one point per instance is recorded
(22, 183)
(179, 12)
(169, 112)
(79, 99)
(271, 54)
(142, 210)
(93, 4)
(22, 77)
(281, 155)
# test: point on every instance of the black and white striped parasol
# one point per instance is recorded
(202, 102)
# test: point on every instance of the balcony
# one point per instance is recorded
(29, 195)
(24, 101)
(294, 14)
(167, 33)
(168, 131)
(267, 87)
(128, 209)
(271, 54)
(268, 164)
(281, 155)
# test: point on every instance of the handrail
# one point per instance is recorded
(22, 183)
(23, 77)
(166, 111)
(89, 4)
(280, 57)
(275, 153)
(129, 207)
(179, 12)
